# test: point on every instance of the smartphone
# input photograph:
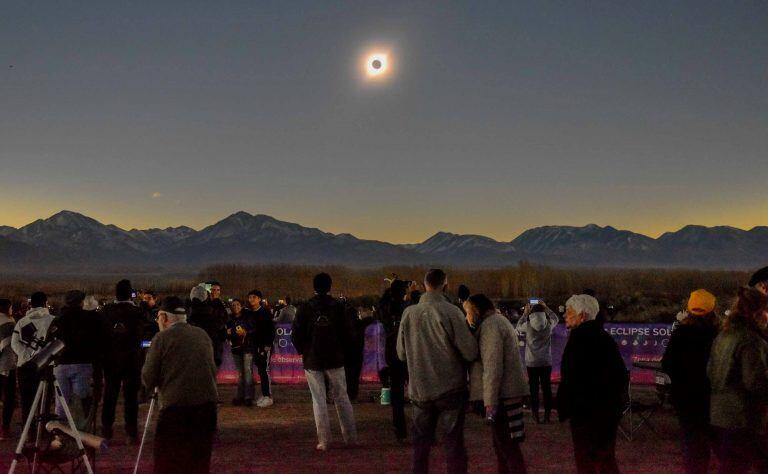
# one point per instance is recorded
(146, 344)
(534, 301)
(133, 294)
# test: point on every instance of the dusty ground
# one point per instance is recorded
(282, 439)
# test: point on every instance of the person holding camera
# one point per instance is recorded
(28, 338)
(220, 318)
(537, 324)
(498, 380)
(124, 323)
(240, 333)
(180, 366)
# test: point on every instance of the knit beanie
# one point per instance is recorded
(701, 303)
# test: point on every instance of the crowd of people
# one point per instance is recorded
(453, 356)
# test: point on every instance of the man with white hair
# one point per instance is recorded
(593, 379)
(180, 365)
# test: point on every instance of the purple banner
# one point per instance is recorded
(637, 343)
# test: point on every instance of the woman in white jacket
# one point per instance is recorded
(498, 379)
(537, 324)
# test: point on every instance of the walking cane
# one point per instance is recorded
(146, 428)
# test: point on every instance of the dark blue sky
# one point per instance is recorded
(496, 116)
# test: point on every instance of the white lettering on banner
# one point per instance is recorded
(283, 331)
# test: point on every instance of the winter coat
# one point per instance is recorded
(538, 338)
(8, 358)
(263, 328)
(241, 343)
(40, 319)
(201, 314)
(593, 377)
(321, 333)
(685, 362)
(498, 373)
(434, 340)
(738, 375)
(286, 315)
(124, 326)
(82, 333)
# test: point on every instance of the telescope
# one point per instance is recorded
(44, 357)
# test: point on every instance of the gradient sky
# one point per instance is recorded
(498, 116)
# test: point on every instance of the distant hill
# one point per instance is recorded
(72, 242)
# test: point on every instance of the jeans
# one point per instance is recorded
(263, 362)
(129, 378)
(338, 393)
(536, 376)
(244, 366)
(8, 391)
(449, 411)
(508, 454)
(76, 382)
(696, 442)
(737, 450)
(594, 444)
(184, 439)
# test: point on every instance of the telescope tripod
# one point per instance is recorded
(39, 414)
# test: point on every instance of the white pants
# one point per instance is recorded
(338, 393)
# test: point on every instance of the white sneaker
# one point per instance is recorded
(265, 402)
(321, 447)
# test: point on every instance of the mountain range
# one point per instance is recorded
(71, 242)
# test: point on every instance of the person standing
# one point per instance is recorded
(81, 332)
(180, 365)
(240, 333)
(435, 341)
(287, 313)
(738, 375)
(593, 380)
(27, 333)
(263, 339)
(685, 362)
(538, 323)
(7, 367)
(392, 305)
(122, 366)
(220, 318)
(321, 334)
(497, 379)
(759, 280)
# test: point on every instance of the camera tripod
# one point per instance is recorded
(39, 414)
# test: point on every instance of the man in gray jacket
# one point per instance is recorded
(435, 341)
(537, 324)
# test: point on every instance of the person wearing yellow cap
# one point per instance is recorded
(685, 361)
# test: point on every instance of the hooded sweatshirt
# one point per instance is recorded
(40, 319)
(538, 328)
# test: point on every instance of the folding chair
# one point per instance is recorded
(637, 414)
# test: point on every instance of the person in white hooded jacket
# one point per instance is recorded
(537, 324)
(34, 325)
(7, 366)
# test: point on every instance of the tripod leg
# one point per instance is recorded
(27, 425)
(146, 428)
(63, 402)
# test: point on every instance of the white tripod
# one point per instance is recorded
(38, 413)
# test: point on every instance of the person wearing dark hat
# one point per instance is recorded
(181, 367)
(124, 322)
(81, 333)
(759, 280)
(30, 329)
(321, 334)
(685, 362)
